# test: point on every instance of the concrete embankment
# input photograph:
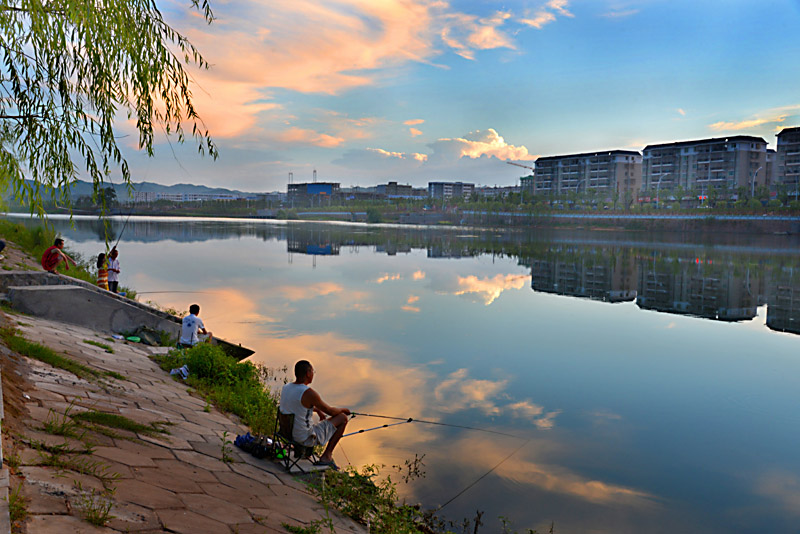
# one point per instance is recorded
(188, 480)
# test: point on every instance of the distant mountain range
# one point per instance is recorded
(84, 189)
(81, 189)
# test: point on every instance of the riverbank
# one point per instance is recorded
(175, 470)
(117, 445)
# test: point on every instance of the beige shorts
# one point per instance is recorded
(321, 433)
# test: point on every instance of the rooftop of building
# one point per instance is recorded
(794, 129)
(591, 154)
(677, 144)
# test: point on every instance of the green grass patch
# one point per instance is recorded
(114, 374)
(100, 345)
(17, 506)
(111, 420)
(235, 387)
(47, 355)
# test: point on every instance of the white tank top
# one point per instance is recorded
(291, 396)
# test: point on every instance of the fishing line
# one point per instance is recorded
(410, 420)
(457, 495)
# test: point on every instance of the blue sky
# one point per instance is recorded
(366, 91)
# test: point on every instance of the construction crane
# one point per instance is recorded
(518, 165)
(520, 180)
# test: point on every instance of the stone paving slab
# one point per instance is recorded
(172, 482)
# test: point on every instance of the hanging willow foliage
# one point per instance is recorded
(68, 70)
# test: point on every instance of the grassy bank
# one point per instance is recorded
(236, 387)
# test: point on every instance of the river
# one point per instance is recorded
(631, 382)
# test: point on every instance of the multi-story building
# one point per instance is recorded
(722, 164)
(312, 193)
(787, 173)
(448, 190)
(393, 189)
(610, 173)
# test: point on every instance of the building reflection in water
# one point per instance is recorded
(727, 282)
(783, 302)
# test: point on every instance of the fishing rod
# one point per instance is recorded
(377, 428)
(124, 226)
(412, 420)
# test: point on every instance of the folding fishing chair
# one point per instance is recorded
(288, 451)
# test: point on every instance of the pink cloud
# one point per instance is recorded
(413, 122)
(414, 132)
(309, 137)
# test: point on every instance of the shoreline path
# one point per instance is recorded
(166, 483)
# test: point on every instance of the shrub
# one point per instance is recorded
(236, 387)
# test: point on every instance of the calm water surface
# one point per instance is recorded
(653, 382)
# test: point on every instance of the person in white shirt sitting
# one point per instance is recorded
(193, 331)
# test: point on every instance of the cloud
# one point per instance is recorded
(458, 392)
(414, 132)
(480, 143)
(556, 479)
(489, 289)
(681, 112)
(315, 47)
(784, 488)
(467, 33)
(388, 277)
(309, 137)
(774, 117)
(418, 275)
(471, 157)
(620, 13)
(413, 122)
(321, 289)
(398, 155)
(408, 306)
(547, 14)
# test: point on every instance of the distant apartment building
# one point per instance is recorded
(393, 189)
(721, 164)
(608, 173)
(447, 190)
(140, 197)
(787, 172)
(496, 192)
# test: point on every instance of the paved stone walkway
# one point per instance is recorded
(161, 483)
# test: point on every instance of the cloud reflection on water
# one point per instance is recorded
(489, 289)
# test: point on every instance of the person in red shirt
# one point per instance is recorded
(55, 255)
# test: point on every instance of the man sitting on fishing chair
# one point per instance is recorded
(299, 399)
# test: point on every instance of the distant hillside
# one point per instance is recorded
(83, 189)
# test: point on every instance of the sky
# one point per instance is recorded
(368, 91)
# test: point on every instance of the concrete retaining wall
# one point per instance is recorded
(102, 311)
(19, 279)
